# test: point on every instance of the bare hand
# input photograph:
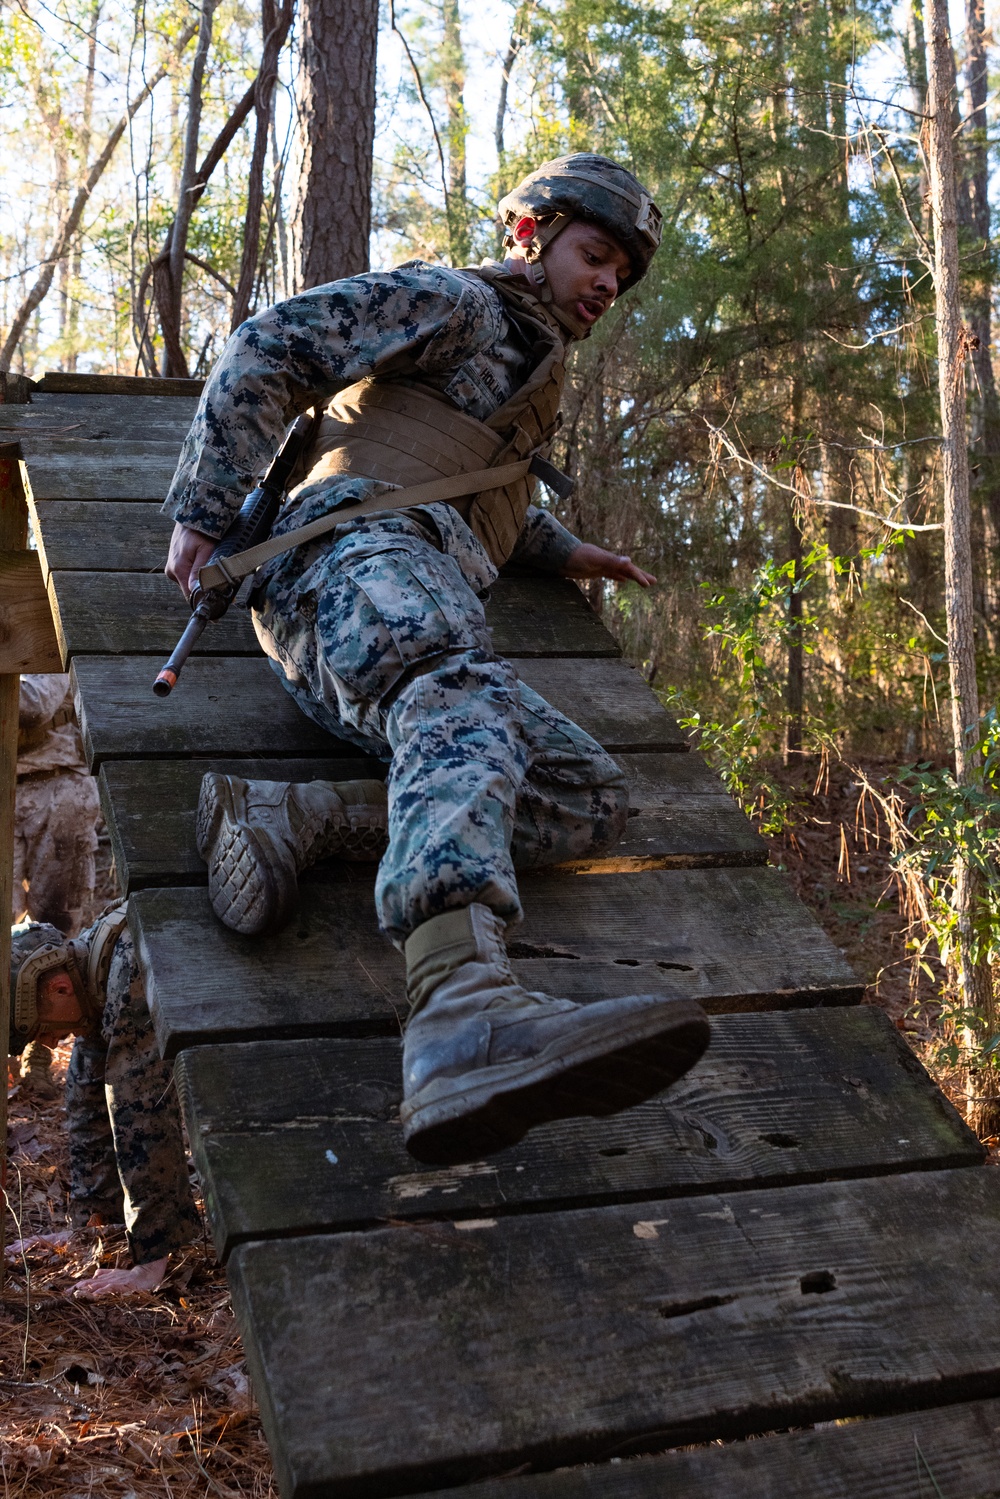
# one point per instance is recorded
(189, 552)
(594, 562)
(132, 1282)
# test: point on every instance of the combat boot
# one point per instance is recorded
(258, 836)
(36, 1071)
(484, 1060)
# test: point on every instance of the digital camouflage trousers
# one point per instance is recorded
(126, 1150)
(382, 641)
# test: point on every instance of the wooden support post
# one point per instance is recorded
(13, 538)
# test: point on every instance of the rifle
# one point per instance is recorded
(252, 525)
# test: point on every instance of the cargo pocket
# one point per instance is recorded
(405, 610)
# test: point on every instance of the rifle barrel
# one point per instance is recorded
(166, 681)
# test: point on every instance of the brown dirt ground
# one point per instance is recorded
(150, 1397)
(836, 851)
(137, 1398)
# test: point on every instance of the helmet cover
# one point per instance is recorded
(36, 949)
(586, 186)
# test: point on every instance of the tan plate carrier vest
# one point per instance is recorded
(396, 430)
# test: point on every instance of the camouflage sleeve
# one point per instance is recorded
(160, 1214)
(544, 543)
(422, 318)
(41, 697)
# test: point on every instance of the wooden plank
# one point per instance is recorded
(559, 1337)
(680, 817)
(61, 381)
(13, 540)
(127, 613)
(96, 419)
(66, 470)
(27, 637)
(235, 707)
(101, 536)
(735, 939)
(150, 807)
(610, 700)
(954, 1452)
(105, 614)
(778, 1099)
(232, 707)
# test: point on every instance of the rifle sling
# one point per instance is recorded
(232, 570)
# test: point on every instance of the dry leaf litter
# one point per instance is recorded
(128, 1398)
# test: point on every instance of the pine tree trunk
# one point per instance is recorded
(974, 978)
(986, 403)
(331, 220)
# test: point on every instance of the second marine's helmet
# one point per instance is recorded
(589, 187)
(36, 949)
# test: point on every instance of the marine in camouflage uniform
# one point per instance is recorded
(378, 632)
(55, 829)
(381, 636)
(126, 1149)
(57, 808)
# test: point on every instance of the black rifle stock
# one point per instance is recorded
(252, 525)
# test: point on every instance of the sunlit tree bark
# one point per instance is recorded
(331, 221)
(972, 972)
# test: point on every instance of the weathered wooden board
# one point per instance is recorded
(117, 613)
(680, 817)
(294, 1137)
(101, 536)
(77, 418)
(117, 385)
(150, 805)
(609, 699)
(62, 469)
(27, 638)
(953, 1452)
(560, 1337)
(107, 614)
(735, 939)
(236, 707)
(540, 614)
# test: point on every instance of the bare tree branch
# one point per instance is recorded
(70, 222)
(276, 28)
(427, 106)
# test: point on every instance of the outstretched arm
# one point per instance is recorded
(546, 544)
(588, 561)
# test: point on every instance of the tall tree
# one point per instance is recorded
(979, 295)
(275, 25)
(331, 222)
(972, 970)
(168, 276)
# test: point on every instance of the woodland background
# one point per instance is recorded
(758, 424)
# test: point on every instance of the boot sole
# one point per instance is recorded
(242, 888)
(454, 1123)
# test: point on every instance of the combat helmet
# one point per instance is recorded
(36, 949)
(585, 186)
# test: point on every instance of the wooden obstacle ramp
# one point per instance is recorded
(679, 816)
(954, 1451)
(736, 939)
(303, 1136)
(795, 1234)
(558, 1336)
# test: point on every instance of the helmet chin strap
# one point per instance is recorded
(531, 254)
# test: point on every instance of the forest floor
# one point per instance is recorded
(150, 1397)
(836, 851)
